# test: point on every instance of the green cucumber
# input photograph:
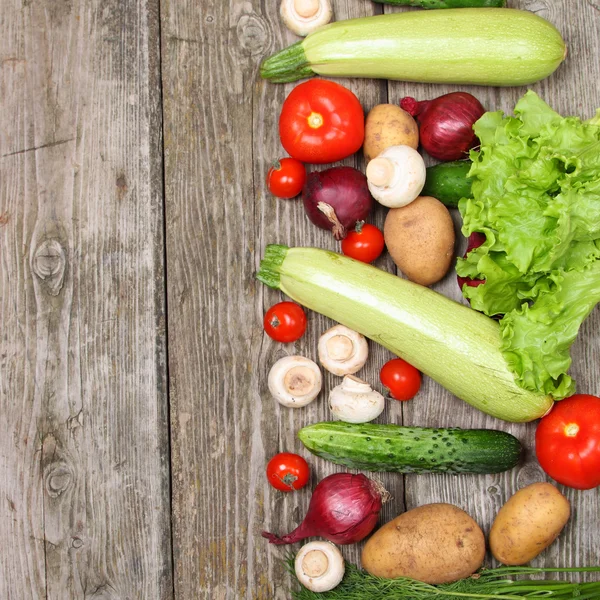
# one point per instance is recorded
(445, 3)
(394, 448)
(448, 182)
(482, 46)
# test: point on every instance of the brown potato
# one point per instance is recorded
(528, 523)
(388, 125)
(434, 543)
(420, 239)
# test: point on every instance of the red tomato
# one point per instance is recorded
(287, 472)
(567, 442)
(286, 178)
(321, 121)
(285, 322)
(402, 380)
(365, 243)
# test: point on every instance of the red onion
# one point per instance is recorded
(336, 199)
(446, 123)
(343, 509)
(475, 240)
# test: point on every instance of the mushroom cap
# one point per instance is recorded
(304, 16)
(342, 351)
(354, 401)
(319, 566)
(397, 176)
(295, 381)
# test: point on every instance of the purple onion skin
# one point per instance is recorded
(345, 190)
(446, 123)
(343, 509)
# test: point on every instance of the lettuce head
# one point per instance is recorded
(536, 198)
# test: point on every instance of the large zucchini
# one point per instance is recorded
(484, 46)
(371, 447)
(452, 343)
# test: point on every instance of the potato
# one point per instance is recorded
(435, 543)
(420, 239)
(388, 125)
(528, 523)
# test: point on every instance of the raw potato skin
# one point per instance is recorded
(528, 523)
(420, 239)
(434, 543)
(388, 125)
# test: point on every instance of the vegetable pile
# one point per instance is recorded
(528, 190)
(536, 198)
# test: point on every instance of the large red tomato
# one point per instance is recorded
(567, 442)
(321, 121)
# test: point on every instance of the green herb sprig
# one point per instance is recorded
(494, 584)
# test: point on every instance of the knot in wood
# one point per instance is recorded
(76, 542)
(530, 473)
(49, 264)
(58, 479)
(252, 34)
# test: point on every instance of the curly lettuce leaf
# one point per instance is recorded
(536, 197)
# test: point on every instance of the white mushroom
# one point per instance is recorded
(397, 176)
(319, 566)
(295, 381)
(354, 401)
(342, 351)
(304, 16)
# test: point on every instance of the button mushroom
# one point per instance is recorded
(342, 351)
(354, 401)
(304, 16)
(319, 566)
(397, 176)
(295, 381)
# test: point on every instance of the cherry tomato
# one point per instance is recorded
(321, 121)
(567, 442)
(286, 178)
(365, 243)
(402, 380)
(285, 322)
(287, 472)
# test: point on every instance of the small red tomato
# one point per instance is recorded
(364, 243)
(401, 379)
(321, 121)
(287, 472)
(286, 178)
(567, 442)
(285, 322)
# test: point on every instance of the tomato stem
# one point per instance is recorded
(571, 430)
(315, 120)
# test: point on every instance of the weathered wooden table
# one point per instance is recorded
(136, 420)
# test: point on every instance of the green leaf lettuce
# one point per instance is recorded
(536, 197)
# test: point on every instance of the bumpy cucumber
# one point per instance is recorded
(395, 448)
(448, 182)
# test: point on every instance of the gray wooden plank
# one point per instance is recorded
(572, 90)
(85, 478)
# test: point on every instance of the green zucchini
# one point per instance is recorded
(453, 344)
(483, 46)
(445, 3)
(448, 182)
(398, 449)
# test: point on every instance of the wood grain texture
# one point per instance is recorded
(84, 456)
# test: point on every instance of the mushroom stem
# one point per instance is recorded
(340, 347)
(315, 563)
(380, 171)
(306, 8)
